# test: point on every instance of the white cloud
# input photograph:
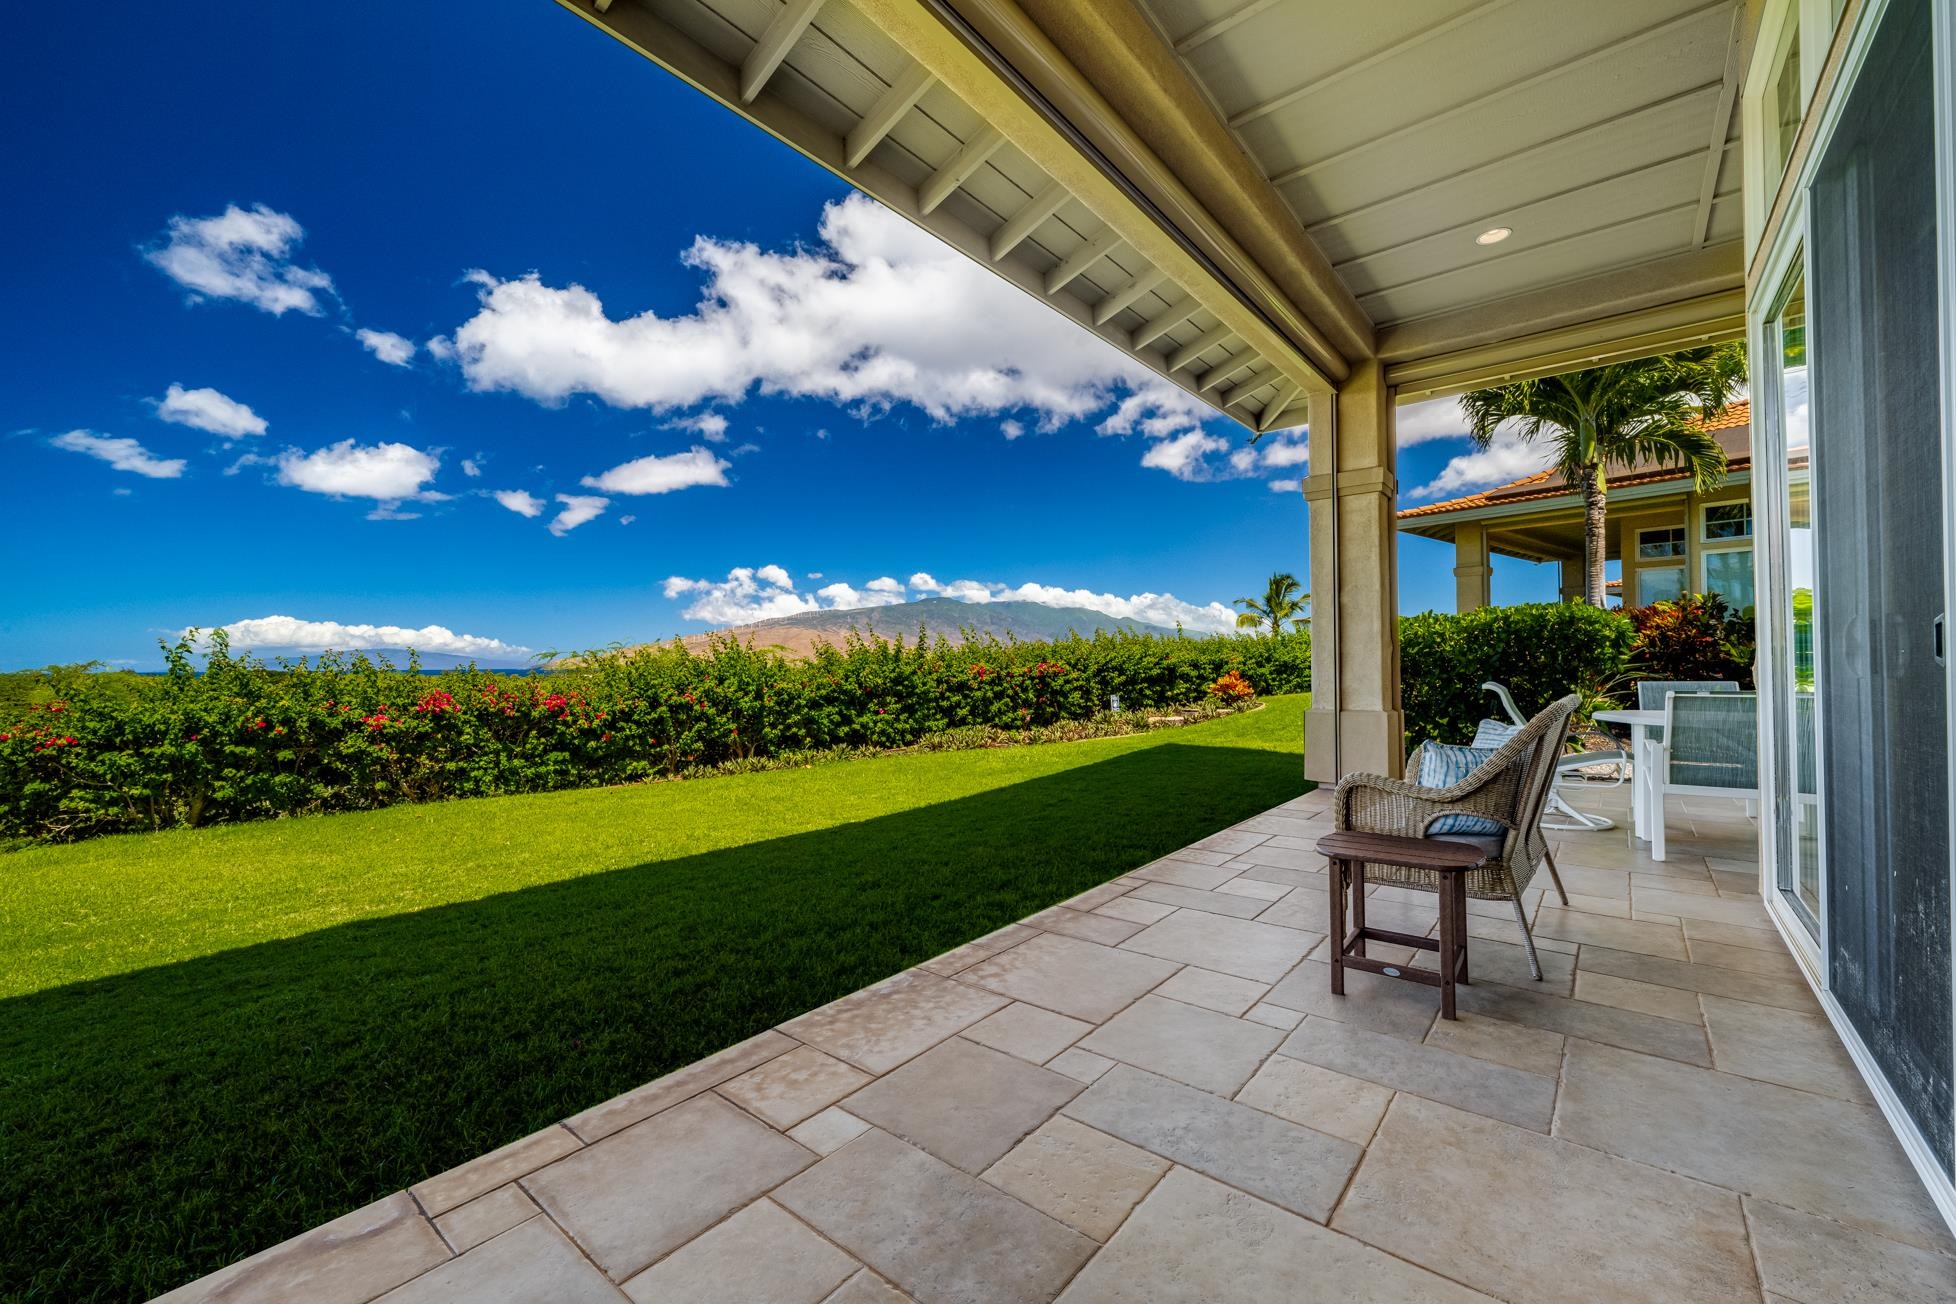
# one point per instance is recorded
(471, 468)
(885, 587)
(578, 508)
(122, 454)
(206, 409)
(1507, 458)
(331, 635)
(847, 597)
(660, 475)
(1437, 418)
(1185, 456)
(746, 595)
(1285, 486)
(962, 590)
(241, 254)
(519, 501)
(1163, 609)
(710, 426)
(1011, 429)
(1285, 452)
(878, 314)
(394, 350)
(387, 473)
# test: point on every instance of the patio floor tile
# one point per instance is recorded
(1080, 1065)
(1477, 1085)
(1804, 1257)
(1261, 953)
(1215, 903)
(1317, 1098)
(1069, 976)
(880, 1027)
(964, 1103)
(792, 1087)
(1533, 1050)
(1759, 939)
(530, 1262)
(1601, 930)
(485, 1216)
(1187, 1043)
(1194, 1241)
(939, 1234)
(663, 1093)
(1734, 984)
(1292, 1166)
(1104, 929)
(1809, 1152)
(1604, 1023)
(958, 959)
(1389, 1005)
(829, 1130)
(1136, 910)
(867, 1288)
(1630, 994)
(644, 1192)
(1773, 964)
(1185, 873)
(1746, 912)
(1085, 1178)
(1032, 1034)
(1783, 1046)
(346, 1261)
(1212, 990)
(459, 1185)
(758, 1254)
(1524, 1216)
(1307, 909)
(1505, 962)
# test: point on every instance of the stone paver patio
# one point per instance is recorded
(1149, 1093)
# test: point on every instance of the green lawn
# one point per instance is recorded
(211, 1040)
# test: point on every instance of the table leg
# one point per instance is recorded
(1460, 920)
(1639, 784)
(1358, 906)
(1337, 877)
(1449, 942)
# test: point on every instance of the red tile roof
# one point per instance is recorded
(1733, 429)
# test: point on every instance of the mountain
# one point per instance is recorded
(798, 634)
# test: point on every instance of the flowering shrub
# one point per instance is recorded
(1232, 687)
(1696, 636)
(240, 740)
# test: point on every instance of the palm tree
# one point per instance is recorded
(1649, 410)
(1281, 601)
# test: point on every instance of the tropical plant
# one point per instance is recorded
(1283, 600)
(1651, 410)
(1696, 636)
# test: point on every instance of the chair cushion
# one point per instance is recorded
(1492, 733)
(1441, 766)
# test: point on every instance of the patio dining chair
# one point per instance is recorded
(1496, 806)
(1652, 692)
(1710, 748)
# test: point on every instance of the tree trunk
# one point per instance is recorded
(1595, 538)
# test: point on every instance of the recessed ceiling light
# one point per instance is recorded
(1493, 235)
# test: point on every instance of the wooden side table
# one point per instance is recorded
(1348, 853)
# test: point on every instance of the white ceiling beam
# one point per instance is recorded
(1275, 410)
(1075, 264)
(1209, 31)
(1237, 393)
(1024, 222)
(1107, 309)
(1367, 210)
(1603, 53)
(1162, 323)
(1229, 368)
(777, 38)
(1189, 352)
(982, 145)
(1721, 129)
(1336, 75)
(886, 113)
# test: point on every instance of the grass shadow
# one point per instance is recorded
(158, 1125)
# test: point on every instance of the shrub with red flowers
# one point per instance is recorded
(235, 739)
(1697, 636)
(1232, 687)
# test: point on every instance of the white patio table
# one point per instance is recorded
(1641, 769)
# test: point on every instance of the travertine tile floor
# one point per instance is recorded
(1149, 1093)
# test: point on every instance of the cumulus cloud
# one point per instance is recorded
(1507, 458)
(243, 254)
(878, 314)
(394, 350)
(710, 426)
(470, 468)
(748, 594)
(206, 409)
(1437, 418)
(1011, 429)
(333, 636)
(577, 509)
(662, 475)
(390, 474)
(1285, 486)
(1186, 456)
(1274, 452)
(1153, 608)
(519, 501)
(121, 453)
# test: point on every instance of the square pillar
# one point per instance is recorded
(1572, 580)
(1473, 570)
(1355, 722)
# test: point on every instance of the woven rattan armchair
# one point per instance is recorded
(1510, 787)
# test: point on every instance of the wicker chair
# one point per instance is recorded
(1510, 787)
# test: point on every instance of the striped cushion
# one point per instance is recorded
(1441, 766)
(1492, 733)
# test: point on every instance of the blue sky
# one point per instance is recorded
(364, 317)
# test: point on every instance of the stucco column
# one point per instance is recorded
(1473, 572)
(1572, 581)
(1355, 722)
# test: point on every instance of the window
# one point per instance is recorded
(1659, 584)
(1787, 104)
(1728, 521)
(1657, 545)
(1728, 573)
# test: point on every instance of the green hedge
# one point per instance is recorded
(1540, 651)
(243, 741)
